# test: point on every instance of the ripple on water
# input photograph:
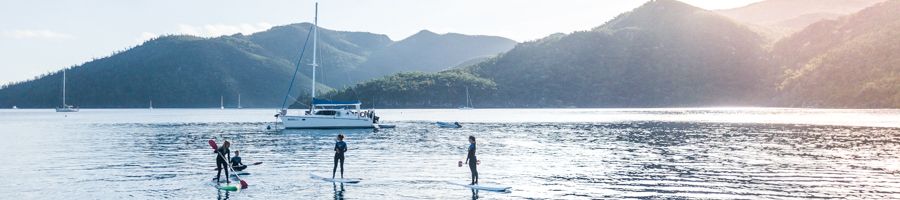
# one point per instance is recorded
(418, 161)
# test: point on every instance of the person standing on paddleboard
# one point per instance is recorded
(223, 154)
(472, 160)
(339, 148)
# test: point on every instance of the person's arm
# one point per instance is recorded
(467, 154)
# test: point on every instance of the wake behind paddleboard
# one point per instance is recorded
(495, 188)
(336, 180)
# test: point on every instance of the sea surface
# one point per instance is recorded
(717, 153)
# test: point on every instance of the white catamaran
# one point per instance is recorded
(65, 107)
(326, 114)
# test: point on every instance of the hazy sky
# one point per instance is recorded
(39, 36)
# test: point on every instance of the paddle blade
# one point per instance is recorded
(212, 143)
(244, 184)
(257, 163)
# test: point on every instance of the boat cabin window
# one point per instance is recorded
(326, 112)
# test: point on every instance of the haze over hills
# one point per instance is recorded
(789, 16)
(668, 54)
(187, 71)
(427, 51)
(850, 62)
(664, 53)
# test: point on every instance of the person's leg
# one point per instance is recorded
(342, 166)
(333, 170)
(472, 170)
(474, 167)
(219, 169)
(225, 167)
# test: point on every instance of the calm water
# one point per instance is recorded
(755, 153)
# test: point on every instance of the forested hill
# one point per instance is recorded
(187, 71)
(664, 53)
(852, 62)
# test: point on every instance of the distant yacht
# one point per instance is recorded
(14, 107)
(151, 104)
(65, 107)
(326, 113)
(221, 102)
(468, 105)
(239, 101)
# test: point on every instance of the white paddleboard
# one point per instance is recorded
(495, 188)
(336, 180)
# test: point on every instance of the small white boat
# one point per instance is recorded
(448, 124)
(65, 107)
(14, 107)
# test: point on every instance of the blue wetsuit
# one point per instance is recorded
(339, 148)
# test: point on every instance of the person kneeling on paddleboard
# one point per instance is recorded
(472, 160)
(236, 163)
(223, 154)
(339, 148)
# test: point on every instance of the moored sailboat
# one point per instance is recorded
(65, 107)
(324, 113)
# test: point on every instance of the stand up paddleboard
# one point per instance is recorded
(218, 185)
(494, 188)
(336, 180)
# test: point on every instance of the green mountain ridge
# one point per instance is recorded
(186, 71)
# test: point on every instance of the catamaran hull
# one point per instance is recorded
(66, 110)
(316, 122)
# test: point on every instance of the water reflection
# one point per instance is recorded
(338, 192)
(222, 194)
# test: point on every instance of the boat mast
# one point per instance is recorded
(468, 102)
(239, 100)
(222, 102)
(314, 65)
(64, 87)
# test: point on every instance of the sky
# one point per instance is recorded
(41, 36)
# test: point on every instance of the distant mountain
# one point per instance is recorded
(427, 51)
(187, 71)
(662, 54)
(340, 52)
(789, 16)
(173, 71)
(850, 62)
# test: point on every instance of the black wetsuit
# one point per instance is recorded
(473, 163)
(339, 148)
(236, 164)
(221, 154)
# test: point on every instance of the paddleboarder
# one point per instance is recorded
(339, 148)
(474, 161)
(223, 154)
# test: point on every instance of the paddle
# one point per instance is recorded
(212, 143)
(256, 163)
